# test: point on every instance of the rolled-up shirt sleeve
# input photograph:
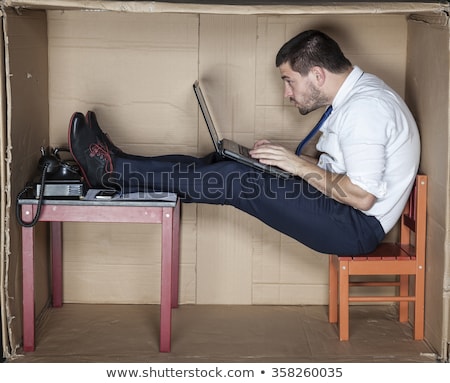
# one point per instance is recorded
(365, 167)
(363, 144)
(359, 148)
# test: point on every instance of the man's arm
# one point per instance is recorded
(337, 186)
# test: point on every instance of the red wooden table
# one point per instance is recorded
(166, 212)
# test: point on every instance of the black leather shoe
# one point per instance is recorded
(90, 153)
(93, 124)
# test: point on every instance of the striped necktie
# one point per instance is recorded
(313, 130)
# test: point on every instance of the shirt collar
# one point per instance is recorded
(347, 86)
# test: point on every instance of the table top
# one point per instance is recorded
(148, 199)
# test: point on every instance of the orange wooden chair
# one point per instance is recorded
(403, 259)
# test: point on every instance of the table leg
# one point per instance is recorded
(176, 256)
(28, 282)
(56, 243)
(166, 279)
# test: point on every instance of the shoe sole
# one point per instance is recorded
(76, 114)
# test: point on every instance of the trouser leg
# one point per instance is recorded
(290, 206)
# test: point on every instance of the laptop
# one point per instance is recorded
(231, 149)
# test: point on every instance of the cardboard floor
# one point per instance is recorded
(130, 333)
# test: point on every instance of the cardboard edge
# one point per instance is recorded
(243, 9)
(5, 159)
(441, 20)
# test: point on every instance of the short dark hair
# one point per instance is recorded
(313, 48)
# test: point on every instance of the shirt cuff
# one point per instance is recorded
(377, 188)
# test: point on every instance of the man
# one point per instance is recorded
(342, 203)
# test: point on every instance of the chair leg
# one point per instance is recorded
(419, 309)
(332, 289)
(343, 301)
(403, 306)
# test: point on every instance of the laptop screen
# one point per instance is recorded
(206, 115)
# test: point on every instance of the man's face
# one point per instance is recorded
(301, 90)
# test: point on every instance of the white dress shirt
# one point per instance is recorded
(371, 136)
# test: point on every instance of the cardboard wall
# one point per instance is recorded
(428, 98)
(27, 130)
(138, 79)
(3, 202)
(136, 70)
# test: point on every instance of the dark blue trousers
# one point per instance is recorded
(290, 206)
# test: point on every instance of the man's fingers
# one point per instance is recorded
(268, 151)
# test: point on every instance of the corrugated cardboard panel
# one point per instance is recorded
(117, 263)
(226, 57)
(188, 256)
(27, 129)
(235, 58)
(115, 63)
(428, 96)
(287, 272)
(113, 263)
(226, 71)
(136, 73)
(244, 7)
(4, 236)
(224, 256)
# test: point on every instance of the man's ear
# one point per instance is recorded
(318, 75)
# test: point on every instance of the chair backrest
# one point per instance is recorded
(414, 218)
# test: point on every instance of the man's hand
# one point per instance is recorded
(336, 186)
(259, 143)
(275, 155)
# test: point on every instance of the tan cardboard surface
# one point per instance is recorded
(222, 333)
(135, 70)
(238, 259)
(27, 130)
(433, 117)
(218, 7)
(4, 236)
(138, 79)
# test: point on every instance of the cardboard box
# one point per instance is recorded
(134, 63)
